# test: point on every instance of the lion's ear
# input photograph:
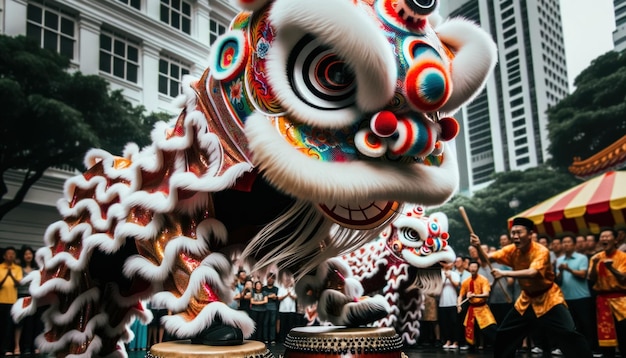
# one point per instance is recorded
(250, 5)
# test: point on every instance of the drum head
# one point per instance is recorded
(184, 349)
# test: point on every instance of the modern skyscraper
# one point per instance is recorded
(141, 47)
(619, 35)
(505, 128)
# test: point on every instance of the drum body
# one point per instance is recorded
(326, 342)
(184, 349)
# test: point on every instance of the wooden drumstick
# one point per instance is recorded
(481, 254)
(466, 219)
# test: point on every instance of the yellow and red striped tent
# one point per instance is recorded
(587, 207)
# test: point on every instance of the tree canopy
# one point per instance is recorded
(51, 117)
(489, 209)
(592, 117)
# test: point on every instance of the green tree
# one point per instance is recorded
(51, 117)
(592, 117)
(488, 209)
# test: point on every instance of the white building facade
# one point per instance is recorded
(142, 47)
(505, 128)
(619, 35)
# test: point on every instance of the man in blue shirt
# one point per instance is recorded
(572, 277)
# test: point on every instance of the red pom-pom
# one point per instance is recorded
(430, 242)
(384, 123)
(445, 235)
(449, 128)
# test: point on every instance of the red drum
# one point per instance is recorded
(326, 342)
(184, 349)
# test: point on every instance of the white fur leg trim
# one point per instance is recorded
(331, 298)
(180, 327)
(305, 284)
(353, 287)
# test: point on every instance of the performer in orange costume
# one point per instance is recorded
(541, 302)
(608, 271)
(477, 290)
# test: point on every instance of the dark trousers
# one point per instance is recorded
(288, 320)
(500, 310)
(259, 318)
(557, 323)
(269, 326)
(583, 313)
(6, 328)
(447, 324)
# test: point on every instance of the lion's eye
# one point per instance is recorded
(319, 77)
(409, 234)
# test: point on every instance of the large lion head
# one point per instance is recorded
(347, 103)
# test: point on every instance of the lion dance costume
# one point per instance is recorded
(402, 264)
(313, 123)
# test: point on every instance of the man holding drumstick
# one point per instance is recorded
(541, 302)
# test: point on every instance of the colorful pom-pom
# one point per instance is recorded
(384, 124)
(449, 128)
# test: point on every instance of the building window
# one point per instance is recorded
(51, 27)
(215, 29)
(523, 161)
(132, 3)
(171, 73)
(177, 14)
(119, 56)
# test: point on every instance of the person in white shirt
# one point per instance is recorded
(447, 307)
(287, 315)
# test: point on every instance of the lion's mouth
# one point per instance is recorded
(361, 217)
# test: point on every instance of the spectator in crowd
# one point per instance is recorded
(258, 304)
(608, 273)
(271, 307)
(242, 276)
(31, 326)
(571, 275)
(460, 268)
(287, 316)
(156, 330)
(555, 250)
(140, 341)
(446, 311)
(620, 229)
(592, 245)
(476, 289)
(544, 241)
(10, 277)
(429, 323)
(500, 298)
(541, 302)
(581, 244)
(245, 296)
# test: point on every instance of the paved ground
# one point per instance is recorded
(278, 350)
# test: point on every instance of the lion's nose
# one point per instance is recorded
(404, 136)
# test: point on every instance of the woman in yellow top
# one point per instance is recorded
(10, 277)
(541, 302)
(476, 288)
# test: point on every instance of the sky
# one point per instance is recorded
(588, 27)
